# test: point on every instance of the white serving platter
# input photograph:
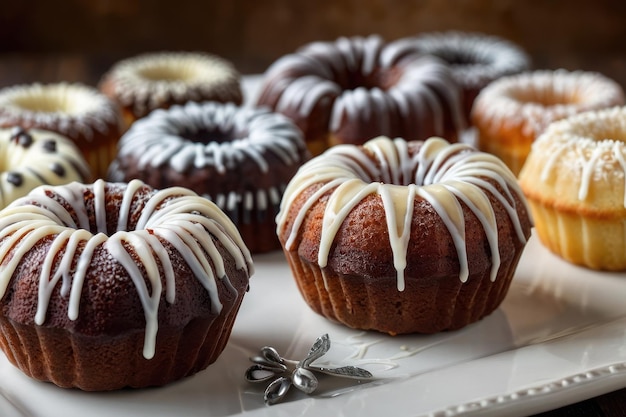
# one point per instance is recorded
(559, 337)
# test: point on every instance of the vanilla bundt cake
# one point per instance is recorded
(157, 80)
(574, 179)
(510, 113)
(79, 112)
(34, 157)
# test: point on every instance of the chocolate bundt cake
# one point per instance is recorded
(354, 89)
(239, 157)
(476, 59)
(105, 286)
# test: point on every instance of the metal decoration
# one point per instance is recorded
(284, 373)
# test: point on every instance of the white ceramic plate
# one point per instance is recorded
(558, 338)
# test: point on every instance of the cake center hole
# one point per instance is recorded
(166, 73)
(546, 99)
(379, 78)
(460, 59)
(205, 136)
(45, 104)
(610, 133)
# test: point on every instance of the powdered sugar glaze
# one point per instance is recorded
(535, 99)
(440, 173)
(176, 215)
(591, 147)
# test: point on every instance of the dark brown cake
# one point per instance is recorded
(404, 237)
(127, 300)
(240, 158)
(355, 89)
(476, 59)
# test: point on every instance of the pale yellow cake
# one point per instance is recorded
(574, 180)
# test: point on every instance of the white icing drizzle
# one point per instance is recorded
(439, 173)
(252, 134)
(74, 110)
(47, 158)
(147, 81)
(175, 214)
(304, 79)
(533, 100)
(591, 146)
(476, 59)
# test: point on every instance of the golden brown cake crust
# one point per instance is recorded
(159, 80)
(574, 179)
(361, 268)
(510, 113)
(359, 284)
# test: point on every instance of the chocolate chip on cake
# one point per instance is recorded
(50, 145)
(15, 178)
(21, 136)
(57, 169)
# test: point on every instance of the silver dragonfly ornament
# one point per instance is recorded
(283, 373)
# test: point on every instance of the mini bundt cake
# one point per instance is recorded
(156, 80)
(476, 59)
(105, 286)
(239, 157)
(79, 112)
(510, 113)
(574, 179)
(354, 89)
(403, 237)
(36, 157)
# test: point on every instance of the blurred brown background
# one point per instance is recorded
(77, 40)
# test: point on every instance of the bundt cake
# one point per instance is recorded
(239, 157)
(403, 237)
(79, 112)
(476, 59)
(33, 157)
(510, 113)
(354, 89)
(574, 179)
(157, 80)
(105, 286)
